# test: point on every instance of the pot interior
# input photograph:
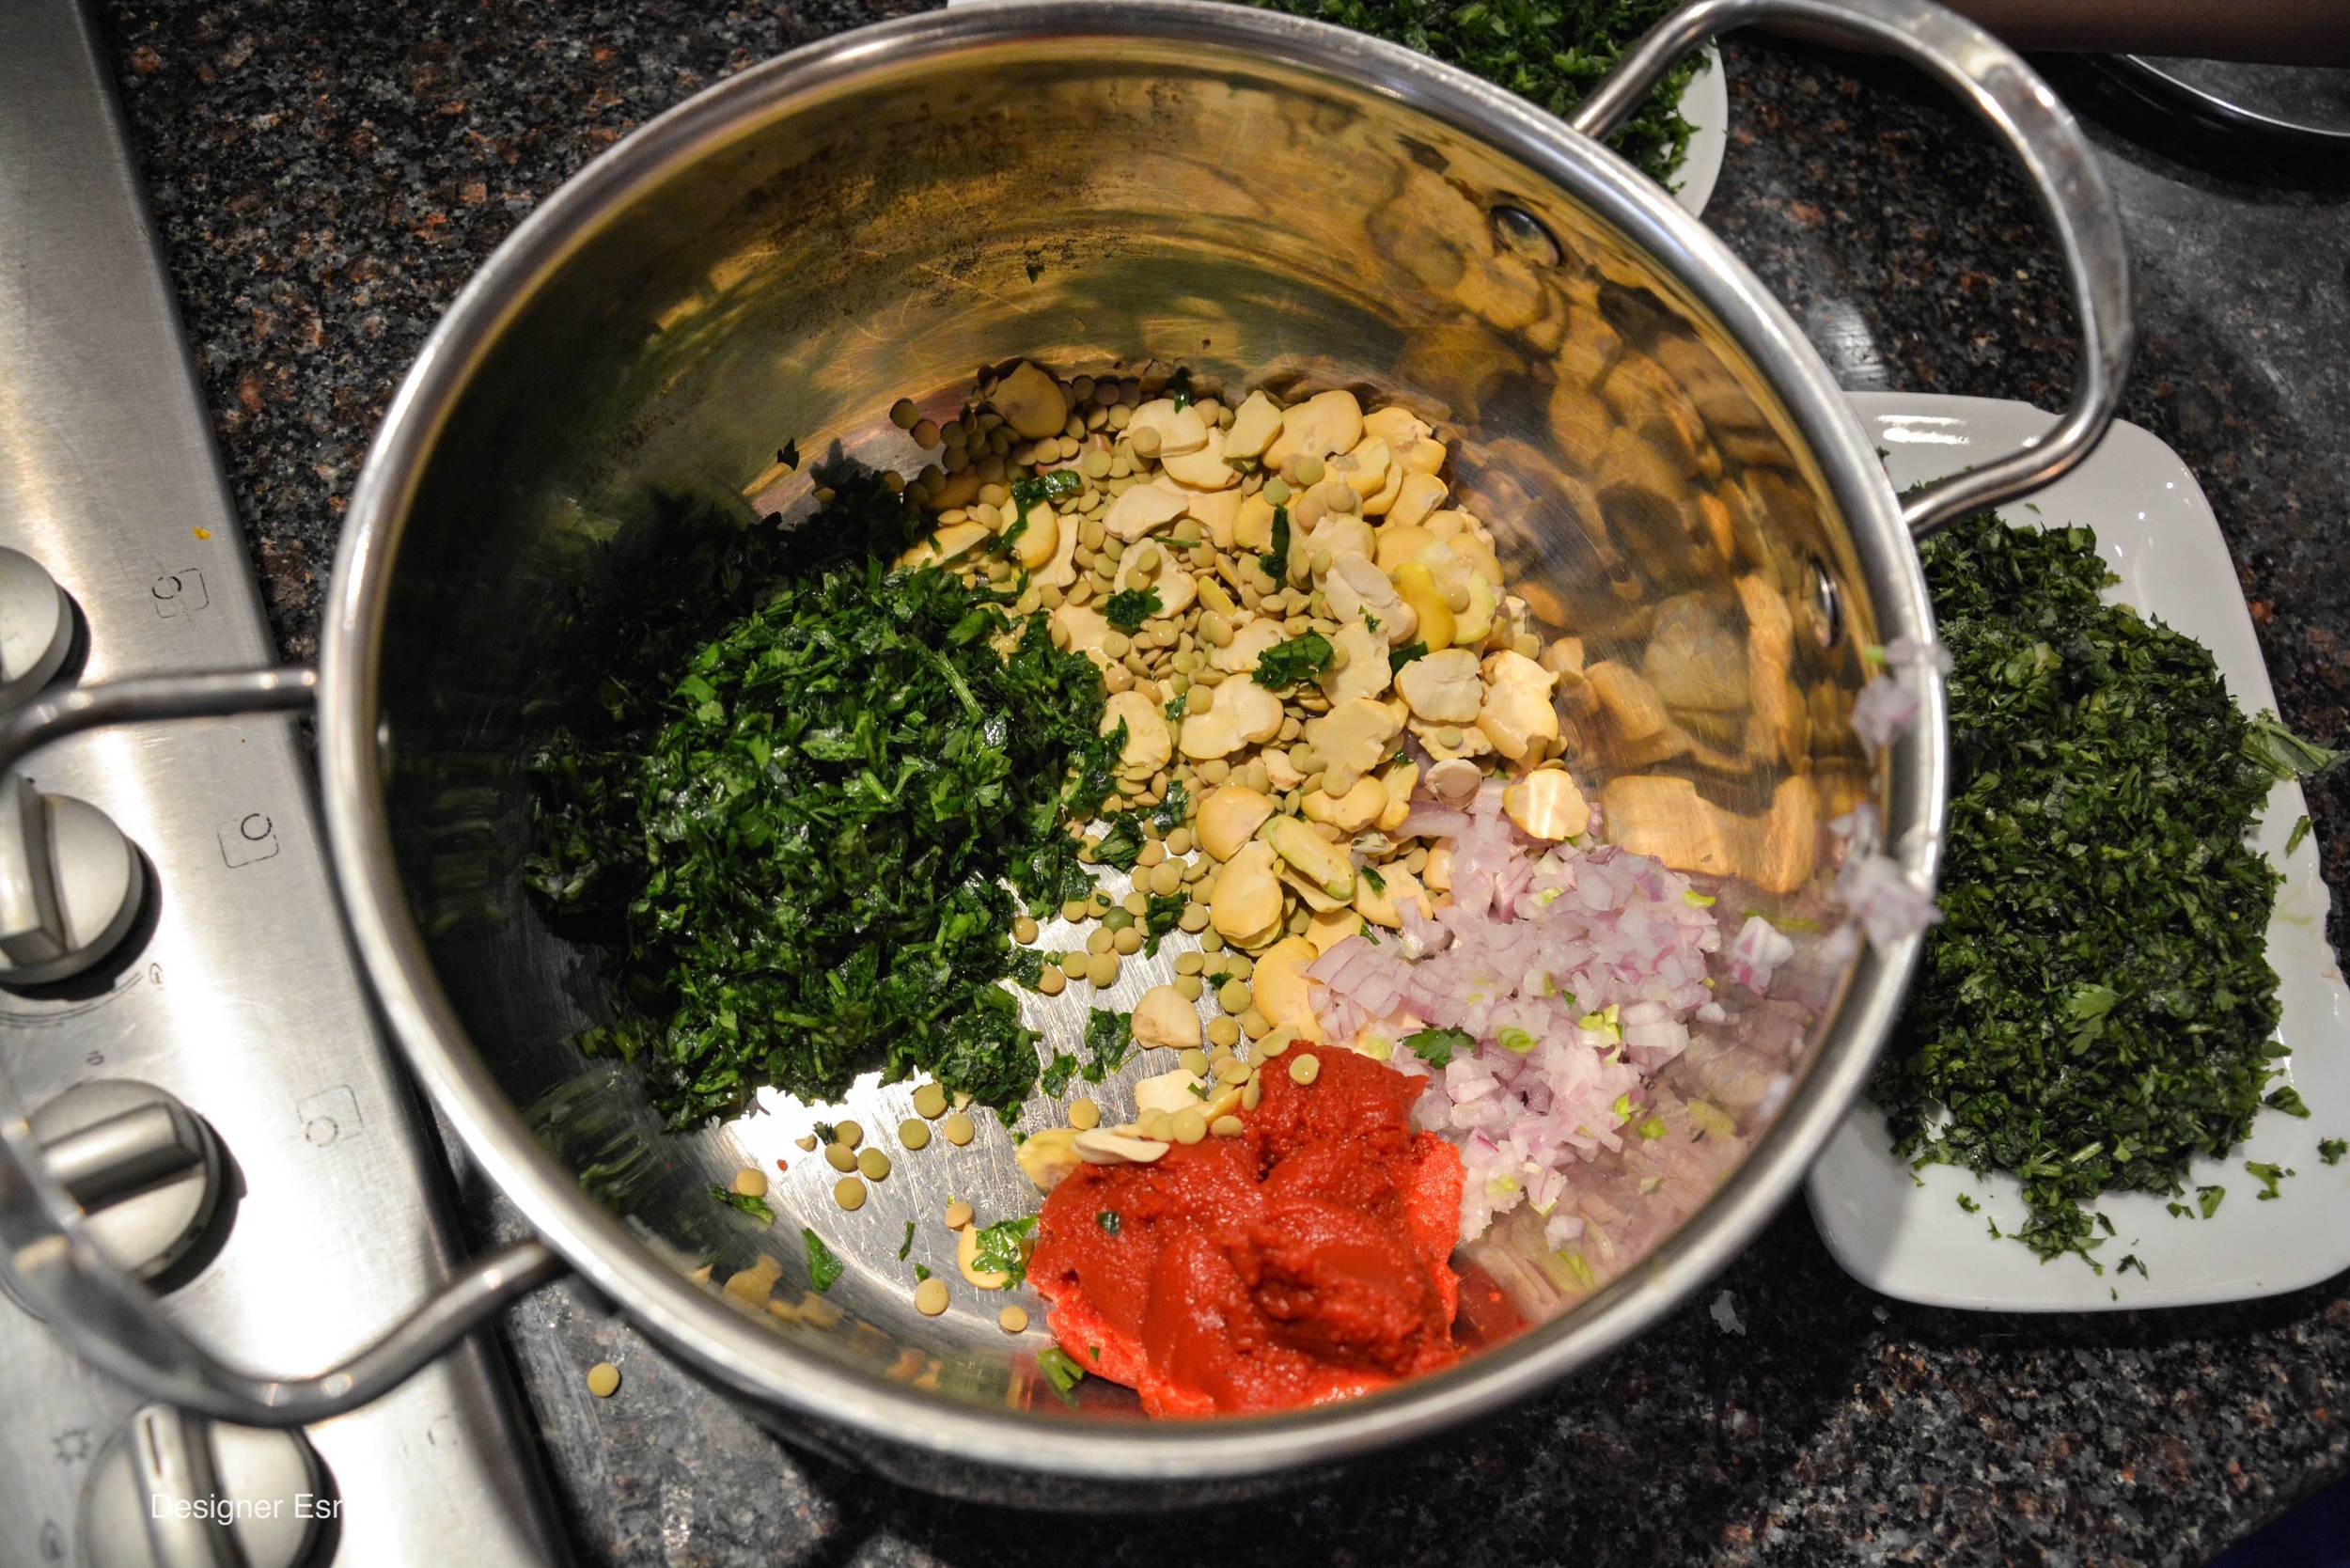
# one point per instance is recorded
(785, 269)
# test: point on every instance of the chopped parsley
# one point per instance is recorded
(2096, 1008)
(1436, 1047)
(1107, 1036)
(743, 1202)
(1550, 52)
(1121, 846)
(2330, 1149)
(2301, 831)
(921, 1272)
(1001, 1248)
(906, 1247)
(1061, 1373)
(823, 1265)
(1275, 560)
(1399, 657)
(1128, 610)
(1058, 1073)
(1175, 806)
(2269, 1176)
(1293, 661)
(802, 804)
(1160, 913)
(2286, 1099)
(2207, 1200)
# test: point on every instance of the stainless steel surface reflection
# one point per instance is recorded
(1670, 473)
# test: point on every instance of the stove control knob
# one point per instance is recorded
(145, 1170)
(175, 1490)
(70, 885)
(36, 627)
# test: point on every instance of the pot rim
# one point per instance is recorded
(743, 1356)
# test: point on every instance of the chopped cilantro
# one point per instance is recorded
(823, 1265)
(921, 1272)
(1106, 1037)
(1175, 806)
(2286, 1099)
(2330, 1149)
(1969, 1204)
(1399, 657)
(1061, 1373)
(1121, 846)
(1552, 53)
(1160, 913)
(2207, 1200)
(906, 1245)
(1000, 1248)
(1292, 663)
(1174, 711)
(2269, 1176)
(743, 1202)
(2096, 1008)
(803, 792)
(1436, 1047)
(1127, 611)
(1058, 1073)
(2133, 1262)
(1276, 560)
(1026, 967)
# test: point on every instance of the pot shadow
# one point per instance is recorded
(1664, 1452)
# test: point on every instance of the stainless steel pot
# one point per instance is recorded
(1266, 199)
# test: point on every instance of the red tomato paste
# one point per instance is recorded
(1300, 1262)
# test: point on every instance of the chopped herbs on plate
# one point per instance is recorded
(1551, 52)
(2096, 1008)
(814, 787)
(824, 1264)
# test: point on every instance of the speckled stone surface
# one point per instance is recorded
(325, 177)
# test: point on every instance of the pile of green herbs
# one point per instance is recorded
(810, 791)
(2095, 1008)
(1552, 53)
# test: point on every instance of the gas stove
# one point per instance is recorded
(181, 1015)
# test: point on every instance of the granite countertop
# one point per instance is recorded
(326, 177)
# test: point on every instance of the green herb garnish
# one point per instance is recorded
(921, 1272)
(1127, 611)
(1175, 806)
(1058, 1073)
(2269, 1176)
(2096, 1008)
(2286, 1099)
(1293, 661)
(823, 1265)
(1399, 657)
(1160, 913)
(1552, 52)
(1000, 1248)
(812, 792)
(906, 1245)
(1121, 846)
(1107, 1036)
(743, 1202)
(2330, 1149)
(1275, 560)
(1061, 1373)
(1108, 1220)
(1436, 1047)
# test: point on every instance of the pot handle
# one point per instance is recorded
(1995, 82)
(47, 1259)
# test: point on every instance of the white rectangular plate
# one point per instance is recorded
(1908, 1238)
